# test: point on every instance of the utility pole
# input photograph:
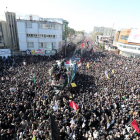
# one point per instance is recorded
(65, 24)
(65, 40)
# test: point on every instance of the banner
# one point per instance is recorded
(88, 65)
(32, 52)
(54, 129)
(39, 51)
(134, 36)
(28, 52)
(73, 85)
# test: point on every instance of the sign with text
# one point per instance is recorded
(5, 51)
(134, 36)
(39, 51)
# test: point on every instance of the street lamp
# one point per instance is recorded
(65, 24)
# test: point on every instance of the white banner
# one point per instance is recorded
(5, 51)
(134, 36)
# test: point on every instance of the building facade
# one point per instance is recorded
(128, 42)
(39, 36)
(105, 31)
(11, 26)
(4, 42)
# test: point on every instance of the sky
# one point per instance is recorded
(81, 14)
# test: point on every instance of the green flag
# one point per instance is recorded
(34, 79)
(124, 97)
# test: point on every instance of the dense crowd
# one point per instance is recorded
(107, 94)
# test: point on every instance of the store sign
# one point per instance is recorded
(5, 51)
(39, 51)
(47, 51)
(134, 36)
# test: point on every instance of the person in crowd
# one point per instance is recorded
(107, 95)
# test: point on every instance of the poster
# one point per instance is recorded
(39, 51)
(134, 36)
(32, 52)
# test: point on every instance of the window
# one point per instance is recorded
(56, 27)
(39, 35)
(53, 45)
(53, 27)
(30, 45)
(29, 25)
(9, 18)
(124, 37)
(60, 27)
(41, 45)
(53, 36)
(0, 39)
(40, 25)
(27, 35)
(35, 35)
(0, 28)
(45, 36)
(60, 44)
(50, 36)
(50, 27)
(48, 46)
(31, 35)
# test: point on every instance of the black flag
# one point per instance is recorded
(54, 129)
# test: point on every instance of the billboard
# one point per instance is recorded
(39, 51)
(134, 36)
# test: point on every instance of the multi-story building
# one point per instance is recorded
(39, 35)
(128, 42)
(105, 31)
(11, 26)
(4, 42)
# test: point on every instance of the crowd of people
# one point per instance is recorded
(107, 95)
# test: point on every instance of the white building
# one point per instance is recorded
(40, 35)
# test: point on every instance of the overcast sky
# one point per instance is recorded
(81, 14)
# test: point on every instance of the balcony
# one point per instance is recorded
(1, 44)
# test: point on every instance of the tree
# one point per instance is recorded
(101, 46)
(94, 34)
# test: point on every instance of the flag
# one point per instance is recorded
(135, 125)
(77, 111)
(24, 63)
(95, 66)
(127, 127)
(108, 76)
(88, 65)
(85, 59)
(34, 79)
(106, 73)
(124, 97)
(54, 129)
(33, 138)
(67, 62)
(79, 65)
(73, 105)
(112, 71)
